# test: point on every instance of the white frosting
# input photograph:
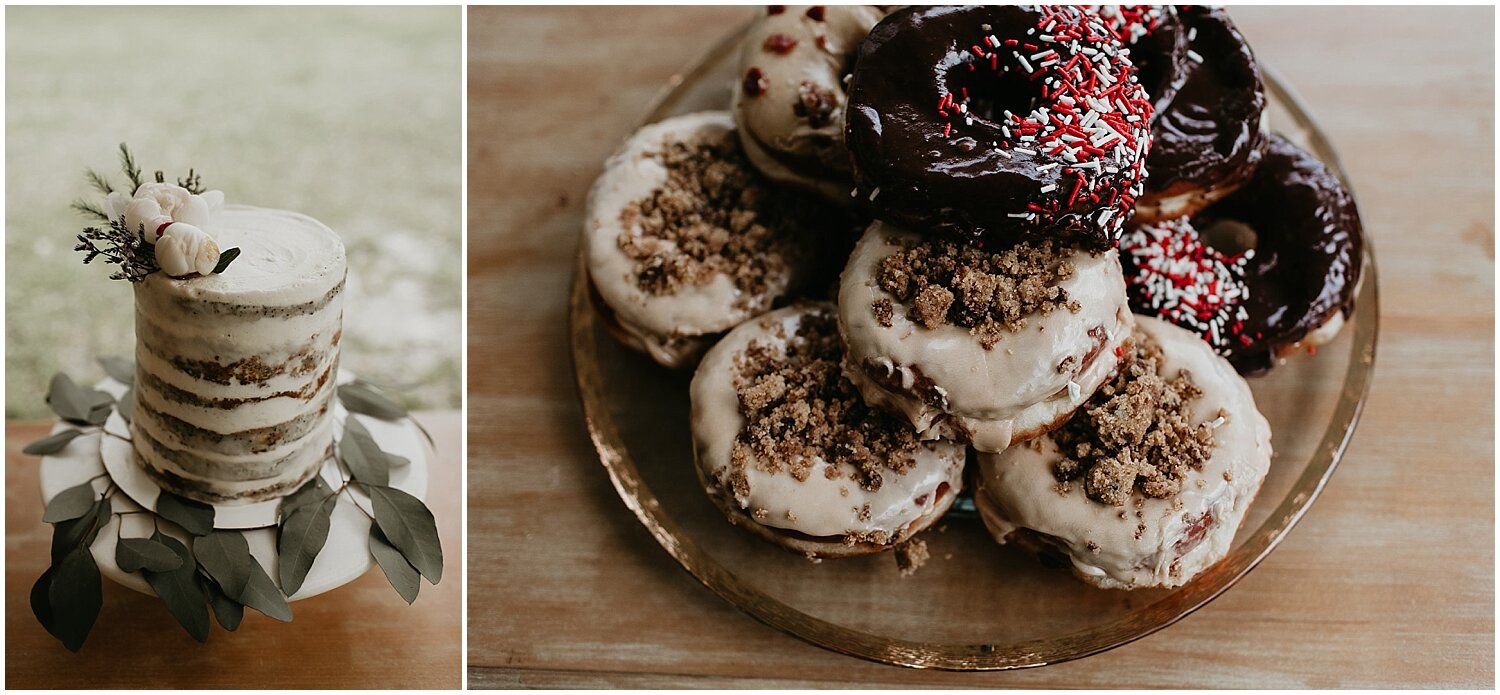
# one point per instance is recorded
(632, 174)
(235, 371)
(1018, 489)
(770, 128)
(817, 506)
(285, 258)
(991, 396)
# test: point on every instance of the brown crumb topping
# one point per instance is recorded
(798, 408)
(714, 215)
(911, 555)
(943, 282)
(884, 312)
(1136, 433)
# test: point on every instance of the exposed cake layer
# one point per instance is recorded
(235, 372)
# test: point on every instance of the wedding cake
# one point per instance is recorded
(235, 370)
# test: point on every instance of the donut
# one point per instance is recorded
(787, 449)
(987, 347)
(684, 239)
(1207, 126)
(999, 124)
(789, 100)
(1270, 269)
(1147, 484)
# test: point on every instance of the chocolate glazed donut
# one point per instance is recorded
(998, 123)
(1294, 284)
(1206, 130)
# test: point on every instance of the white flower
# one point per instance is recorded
(155, 205)
(184, 249)
(144, 216)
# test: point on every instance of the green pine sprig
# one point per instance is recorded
(132, 172)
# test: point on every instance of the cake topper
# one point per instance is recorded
(153, 226)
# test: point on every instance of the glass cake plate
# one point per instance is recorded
(975, 605)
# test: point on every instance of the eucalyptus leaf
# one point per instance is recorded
(409, 526)
(126, 405)
(226, 557)
(262, 594)
(193, 516)
(52, 444)
(76, 595)
(405, 578)
(72, 503)
(299, 540)
(365, 459)
(360, 397)
(225, 259)
(119, 369)
(227, 611)
(311, 491)
(179, 590)
(136, 554)
(41, 606)
(100, 413)
(79, 532)
(76, 404)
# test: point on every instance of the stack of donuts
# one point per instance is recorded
(1027, 254)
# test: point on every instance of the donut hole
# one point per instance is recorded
(992, 94)
(1229, 237)
(1153, 56)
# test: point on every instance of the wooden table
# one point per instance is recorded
(1388, 581)
(361, 635)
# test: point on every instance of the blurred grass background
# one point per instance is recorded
(348, 114)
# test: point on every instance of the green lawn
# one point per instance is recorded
(348, 114)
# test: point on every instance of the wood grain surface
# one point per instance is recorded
(1388, 581)
(361, 635)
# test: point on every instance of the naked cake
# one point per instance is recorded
(235, 370)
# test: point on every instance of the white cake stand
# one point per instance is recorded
(345, 555)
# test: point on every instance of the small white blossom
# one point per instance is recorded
(155, 205)
(184, 249)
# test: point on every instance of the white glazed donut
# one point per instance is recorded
(1149, 541)
(676, 320)
(844, 479)
(947, 383)
(789, 101)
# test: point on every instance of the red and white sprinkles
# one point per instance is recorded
(1130, 23)
(1093, 118)
(1172, 274)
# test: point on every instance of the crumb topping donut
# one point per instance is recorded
(786, 447)
(1285, 279)
(789, 101)
(684, 239)
(988, 347)
(1207, 127)
(1001, 123)
(1146, 485)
